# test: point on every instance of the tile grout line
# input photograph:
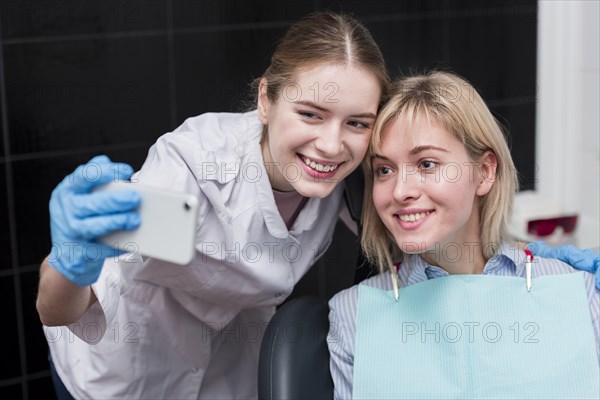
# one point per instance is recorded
(83, 36)
(148, 33)
(36, 375)
(172, 79)
(22, 270)
(77, 151)
(10, 194)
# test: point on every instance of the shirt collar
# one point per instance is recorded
(508, 256)
(414, 269)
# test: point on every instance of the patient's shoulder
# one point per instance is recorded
(348, 298)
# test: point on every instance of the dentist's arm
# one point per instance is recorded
(60, 301)
(77, 218)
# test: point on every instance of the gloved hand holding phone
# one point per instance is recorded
(78, 217)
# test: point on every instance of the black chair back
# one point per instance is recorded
(294, 359)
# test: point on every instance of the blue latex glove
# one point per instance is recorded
(582, 259)
(78, 217)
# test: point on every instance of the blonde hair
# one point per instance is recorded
(323, 37)
(453, 103)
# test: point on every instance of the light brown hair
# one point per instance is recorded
(323, 37)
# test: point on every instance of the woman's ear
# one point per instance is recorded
(263, 101)
(487, 168)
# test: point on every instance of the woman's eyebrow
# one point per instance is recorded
(323, 109)
(380, 157)
(311, 104)
(420, 149)
(364, 115)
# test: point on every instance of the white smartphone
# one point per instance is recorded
(168, 224)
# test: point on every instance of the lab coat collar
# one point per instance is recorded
(307, 217)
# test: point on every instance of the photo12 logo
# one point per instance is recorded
(469, 332)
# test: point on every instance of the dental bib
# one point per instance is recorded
(477, 337)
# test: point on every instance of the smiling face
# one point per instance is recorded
(319, 127)
(426, 188)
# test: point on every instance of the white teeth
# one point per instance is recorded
(319, 167)
(413, 217)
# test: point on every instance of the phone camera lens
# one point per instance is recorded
(186, 206)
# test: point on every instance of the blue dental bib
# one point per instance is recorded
(477, 337)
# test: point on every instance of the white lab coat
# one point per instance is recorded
(162, 330)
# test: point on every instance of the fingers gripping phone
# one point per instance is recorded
(168, 224)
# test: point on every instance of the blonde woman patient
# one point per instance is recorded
(440, 186)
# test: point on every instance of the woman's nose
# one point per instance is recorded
(407, 186)
(329, 142)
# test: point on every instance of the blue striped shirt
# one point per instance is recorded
(509, 261)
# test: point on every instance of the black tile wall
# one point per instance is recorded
(518, 119)
(382, 8)
(1, 116)
(41, 388)
(490, 6)
(216, 75)
(195, 14)
(401, 11)
(411, 45)
(11, 392)
(26, 19)
(11, 367)
(85, 78)
(5, 248)
(492, 49)
(37, 349)
(76, 94)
